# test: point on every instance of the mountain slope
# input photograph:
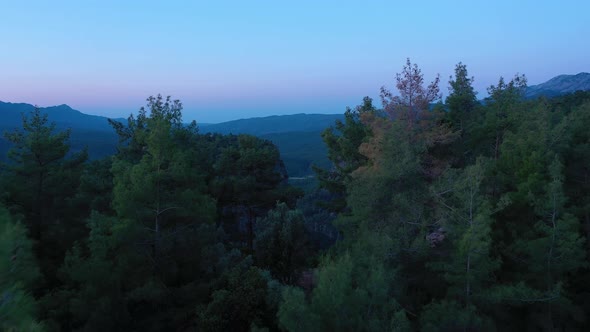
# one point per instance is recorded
(275, 124)
(297, 136)
(560, 85)
(300, 151)
(63, 116)
(87, 130)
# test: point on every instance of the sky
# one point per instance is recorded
(227, 60)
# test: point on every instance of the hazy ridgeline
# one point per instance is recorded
(428, 215)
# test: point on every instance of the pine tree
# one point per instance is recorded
(355, 291)
(469, 226)
(282, 243)
(18, 272)
(249, 178)
(161, 189)
(414, 99)
(40, 180)
(41, 175)
(463, 243)
(500, 115)
(343, 142)
(462, 100)
(554, 248)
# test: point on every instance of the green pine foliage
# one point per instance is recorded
(282, 243)
(463, 215)
(343, 142)
(483, 206)
(18, 273)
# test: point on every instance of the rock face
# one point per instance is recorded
(560, 85)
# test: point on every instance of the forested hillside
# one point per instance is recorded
(560, 85)
(297, 136)
(275, 124)
(465, 215)
(86, 131)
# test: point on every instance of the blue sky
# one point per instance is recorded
(236, 59)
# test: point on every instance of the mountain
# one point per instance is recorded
(66, 117)
(90, 131)
(275, 124)
(300, 150)
(560, 85)
(297, 136)
(63, 116)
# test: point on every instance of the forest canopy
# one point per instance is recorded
(435, 215)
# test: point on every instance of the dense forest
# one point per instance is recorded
(435, 215)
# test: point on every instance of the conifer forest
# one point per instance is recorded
(436, 214)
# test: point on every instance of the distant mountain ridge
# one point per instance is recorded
(66, 117)
(560, 85)
(275, 124)
(297, 136)
(91, 131)
(63, 115)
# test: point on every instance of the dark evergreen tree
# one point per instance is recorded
(249, 179)
(40, 181)
(18, 273)
(462, 99)
(343, 142)
(282, 243)
(43, 176)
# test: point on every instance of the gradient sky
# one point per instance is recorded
(236, 59)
